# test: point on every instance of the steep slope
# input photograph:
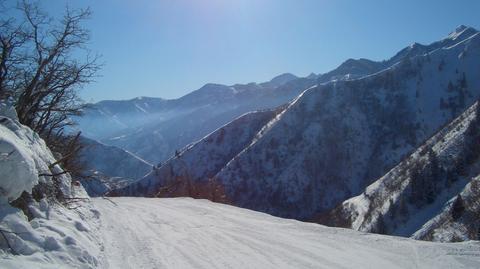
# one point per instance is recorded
(188, 233)
(154, 128)
(189, 172)
(459, 219)
(158, 141)
(336, 138)
(433, 194)
(25, 160)
(109, 167)
(339, 137)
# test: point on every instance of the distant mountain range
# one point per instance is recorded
(305, 148)
(335, 139)
(108, 167)
(154, 128)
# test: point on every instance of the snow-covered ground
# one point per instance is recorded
(189, 233)
(45, 233)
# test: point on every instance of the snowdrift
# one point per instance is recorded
(45, 232)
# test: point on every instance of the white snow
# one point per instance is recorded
(56, 238)
(141, 109)
(17, 167)
(56, 233)
(189, 233)
(23, 156)
(379, 198)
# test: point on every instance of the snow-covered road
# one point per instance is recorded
(188, 233)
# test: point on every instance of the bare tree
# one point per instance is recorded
(44, 63)
(48, 90)
(70, 147)
(13, 36)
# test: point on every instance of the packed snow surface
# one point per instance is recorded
(188, 233)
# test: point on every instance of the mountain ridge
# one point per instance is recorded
(338, 137)
(417, 197)
(131, 134)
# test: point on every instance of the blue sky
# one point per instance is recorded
(167, 48)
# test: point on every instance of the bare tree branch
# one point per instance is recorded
(43, 64)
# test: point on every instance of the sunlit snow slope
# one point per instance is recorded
(188, 233)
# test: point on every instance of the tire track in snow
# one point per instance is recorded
(188, 233)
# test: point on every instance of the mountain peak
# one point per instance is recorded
(462, 30)
(312, 75)
(282, 79)
(210, 90)
(214, 87)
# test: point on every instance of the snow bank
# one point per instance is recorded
(23, 157)
(46, 232)
(56, 238)
(17, 165)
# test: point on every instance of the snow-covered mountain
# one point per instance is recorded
(106, 118)
(279, 80)
(433, 194)
(190, 171)
(352, 69)
(338, 137)
(154, 128)
(109, 167)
